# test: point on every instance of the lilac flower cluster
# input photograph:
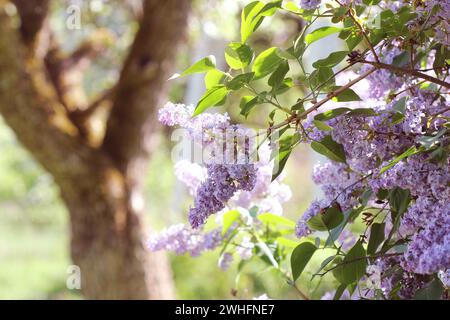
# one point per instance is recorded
(301, 228)
(229, 167)
(309, 4)
(182, 239)
(267, 195)
(225, 261)
(219, 185)
(382, 81)
(439, 20)
(222, 182)
(370, 143)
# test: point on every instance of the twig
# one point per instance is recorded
(415, 73)
(317, 105)
(357, 259)
(363, 32)
(335, 93)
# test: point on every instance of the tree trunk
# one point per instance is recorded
(107, 238)
(100, 185)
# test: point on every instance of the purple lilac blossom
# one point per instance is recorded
(182, 239)
(267, 195)
(225, 261)
(382, 81)
(309, 4)
(301, 228)
(222, 182)
(245, 248)
(444, 276)
(191, 174)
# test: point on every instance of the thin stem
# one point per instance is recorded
(363, 32)
(394, 95)
(415, 73)
(360, 258)
(335, 93)
(317, 105)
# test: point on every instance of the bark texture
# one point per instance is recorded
(101, 186)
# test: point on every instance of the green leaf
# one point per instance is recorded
(284, 86)
(212, 97)
(268, 253)
(399, 200)
(349, 215)
(269, 9)
(321, 33)
(322, 76)
(288, 54)
(269, 218)
(291, 6)
(238, 55)
(432, 291)
(300, 258)
(330, 114)
(239, 81)
(323, 264)
(353, 40)
(347, 95)
(401, 59)
(228, 219)
(397, 118)
(376, 237)
(411, 151)
(282, 155)
(365, 112)
(366, 196)
(327, 220)
(441, 59)
(429, 141)
(277, 77)
(250, 20)
(247, 103)
(203, 65)
(322, 125)
(339, 291)
(299, 45)
(266, 62)
(213, 78)
(371, 2)
(400, 105)
(329, 148)
(286, 242)
(280, 162)
(332, 60)
(353, 267)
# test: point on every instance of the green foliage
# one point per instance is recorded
(353, 266)
(201, 66)
(266, 62)
(238, 55)
(213, 97)
(329, 148)
(229, 218)
(376, 237)
(332, 60)
(267, 82)
(300, 258)
(327, 220)
(321, 33)
(272, 219)
(346, 96)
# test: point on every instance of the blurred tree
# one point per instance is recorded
(99, 174)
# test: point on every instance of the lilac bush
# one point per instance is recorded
(378, 110)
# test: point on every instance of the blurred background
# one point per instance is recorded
(34, 223)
